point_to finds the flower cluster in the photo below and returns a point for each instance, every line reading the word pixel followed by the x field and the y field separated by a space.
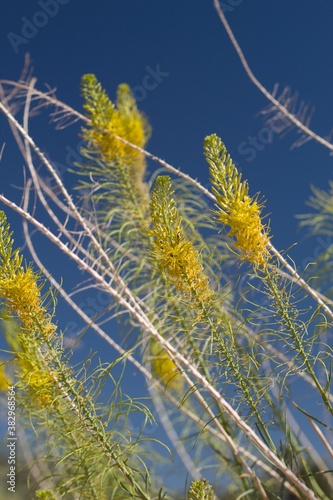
pixel 245 224
pixel 21 295
pixel 235 208
pixel 174 254
pixel 164 368
pixel 107 120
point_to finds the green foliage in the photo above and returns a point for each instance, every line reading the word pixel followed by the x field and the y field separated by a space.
pixel 318 224
pixel 9 259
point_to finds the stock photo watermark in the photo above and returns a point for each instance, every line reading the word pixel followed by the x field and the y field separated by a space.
pixel 257 143
pixel 11 440
pixel 30 27
pixel 152 79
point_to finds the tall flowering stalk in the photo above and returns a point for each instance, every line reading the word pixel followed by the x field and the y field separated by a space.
pixel 235 208
pixel 180 263
pixel 243 215
pixel 172 251
pixel 58 399
pixel 108 121
pixel 20 293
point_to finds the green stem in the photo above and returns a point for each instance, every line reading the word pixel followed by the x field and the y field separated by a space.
pixel 283 310
pixel 92 426
pixel 245 384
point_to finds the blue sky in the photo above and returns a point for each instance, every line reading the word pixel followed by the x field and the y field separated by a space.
pixel 189 82
pixel 200 85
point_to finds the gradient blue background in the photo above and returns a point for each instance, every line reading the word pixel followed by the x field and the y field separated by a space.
pixel 205 90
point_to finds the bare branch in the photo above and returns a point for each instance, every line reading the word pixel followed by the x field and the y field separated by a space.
pixel 275 102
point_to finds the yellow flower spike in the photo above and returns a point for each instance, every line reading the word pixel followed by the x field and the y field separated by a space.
pixel 5 380
pixel 174 254
pixel 19 287
pixel 236 208
pixel 41 385
pixel 36 380
pixel 122 119
pixel 115 159
pixel 21 295
pixel 164 369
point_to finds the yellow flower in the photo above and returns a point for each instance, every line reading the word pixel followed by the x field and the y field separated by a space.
pixel 245 224
pixel 235 208
pixel 39 382
pixel 174 254
pixel 164 369
pixel 22 295
pixel 5 381
pixel 122 119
